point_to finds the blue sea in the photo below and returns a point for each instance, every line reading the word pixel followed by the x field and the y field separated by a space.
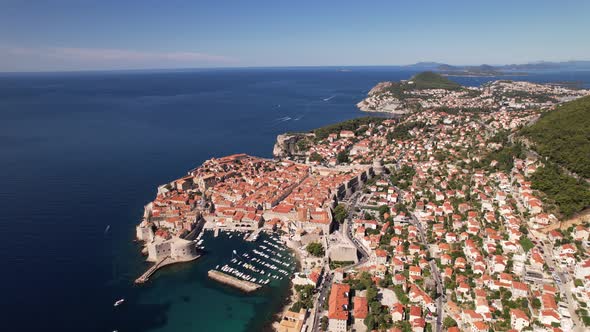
pixel 80 151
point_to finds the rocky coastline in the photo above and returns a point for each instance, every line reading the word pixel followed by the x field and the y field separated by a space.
pixel 380 99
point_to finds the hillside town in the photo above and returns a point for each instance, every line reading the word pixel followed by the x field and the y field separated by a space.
pixel 428 222
pixel 403 97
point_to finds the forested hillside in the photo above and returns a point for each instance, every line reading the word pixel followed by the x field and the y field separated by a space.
pixel 563 135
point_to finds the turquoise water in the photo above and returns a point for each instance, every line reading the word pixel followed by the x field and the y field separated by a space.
pixel 187 300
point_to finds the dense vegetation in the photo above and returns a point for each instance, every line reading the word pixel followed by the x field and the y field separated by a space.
pixel 378 316
pixel 305 298
pixel 324 323
pixel 315 249
pixel 430 80
pixel 424 80
pixel 449 322
pixel 402 178
pixel 340 213
pixel 522 95
pixel 353 125
pixel 338 264
pixel 402 131
pixel 564 136
pixel 565 192
pixel 342 157
pixel 505 155
pixel 526 244
pixel 316 157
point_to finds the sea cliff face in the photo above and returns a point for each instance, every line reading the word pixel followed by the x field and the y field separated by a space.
pixel 288 146
pixel 380 99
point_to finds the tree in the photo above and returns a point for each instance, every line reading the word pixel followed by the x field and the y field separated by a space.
pixel 449 322
pixel 340 213
pixel 536 303
pixel 383 209
pixel 352 125
pixel 342 157
pixel 566 192
pixel 316 249
pixel 371 294
pixel 316 157
pixel 370 322
pixel 526 244
pixel 296 306
pixel 324 323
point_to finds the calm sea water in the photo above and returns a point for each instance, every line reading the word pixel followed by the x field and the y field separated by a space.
pixel 86 150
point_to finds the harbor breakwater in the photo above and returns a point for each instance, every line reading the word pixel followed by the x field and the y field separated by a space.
pixel 243 285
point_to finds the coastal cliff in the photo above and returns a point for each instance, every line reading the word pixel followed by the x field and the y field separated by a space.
pixel 381 99
pixel 292 145
pixel 407 95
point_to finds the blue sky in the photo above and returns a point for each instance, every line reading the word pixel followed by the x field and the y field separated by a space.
pixel 79 35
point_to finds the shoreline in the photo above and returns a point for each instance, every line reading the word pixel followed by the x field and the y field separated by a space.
pixel 289 300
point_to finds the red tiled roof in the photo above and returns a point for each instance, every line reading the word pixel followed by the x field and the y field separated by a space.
pixel 338 302
pixel 361 308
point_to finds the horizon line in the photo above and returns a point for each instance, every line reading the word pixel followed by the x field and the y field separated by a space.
pixel 169 69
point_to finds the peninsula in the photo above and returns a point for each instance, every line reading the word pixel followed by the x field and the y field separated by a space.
pixel 428 90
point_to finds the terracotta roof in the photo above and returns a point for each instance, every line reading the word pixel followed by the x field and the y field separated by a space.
pixel 338 302
pixel 361 307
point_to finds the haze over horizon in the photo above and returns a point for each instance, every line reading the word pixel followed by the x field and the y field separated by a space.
pixel 109 35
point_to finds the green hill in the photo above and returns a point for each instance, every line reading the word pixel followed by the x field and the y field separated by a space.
pixel 431 80
pixel 420 81
pixel 563 136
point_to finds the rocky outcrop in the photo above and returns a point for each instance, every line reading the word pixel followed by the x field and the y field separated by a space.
pixel 289 146
pixel 380 99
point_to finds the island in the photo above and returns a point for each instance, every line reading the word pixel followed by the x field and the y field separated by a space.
pixel 469 212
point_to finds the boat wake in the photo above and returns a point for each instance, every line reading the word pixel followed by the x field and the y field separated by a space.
pixel 329 98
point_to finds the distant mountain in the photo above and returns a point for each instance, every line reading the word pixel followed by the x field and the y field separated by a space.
pixel 488 70
pixel 425 66
pixel 544 65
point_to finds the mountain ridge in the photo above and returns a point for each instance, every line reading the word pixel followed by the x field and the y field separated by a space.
pixel 492 70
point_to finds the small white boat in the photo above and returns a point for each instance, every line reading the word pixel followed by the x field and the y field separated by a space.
pixel 118 302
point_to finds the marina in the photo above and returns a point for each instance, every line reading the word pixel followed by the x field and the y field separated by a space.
pixel 258 266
